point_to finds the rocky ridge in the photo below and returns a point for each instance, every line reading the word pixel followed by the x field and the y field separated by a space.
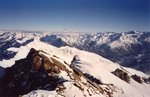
pixel 39 71
pixel 130 49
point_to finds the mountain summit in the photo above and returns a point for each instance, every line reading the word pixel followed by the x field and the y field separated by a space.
pixel 38 69
pixel 130 49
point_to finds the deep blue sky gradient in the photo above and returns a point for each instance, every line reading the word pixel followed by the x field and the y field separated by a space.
pixel 78 15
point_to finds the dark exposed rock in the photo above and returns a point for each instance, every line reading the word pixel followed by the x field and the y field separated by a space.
pixel 137 78
pixel 38 71
pixel 76 58
pixel 122 75
pixel 29 74
pixel 2 73
pixel 92 78
pixel 146 80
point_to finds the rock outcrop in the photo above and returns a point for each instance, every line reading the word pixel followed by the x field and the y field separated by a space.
pixel 137 78
pixel 29 74
pixel 122 75
pixel 40 71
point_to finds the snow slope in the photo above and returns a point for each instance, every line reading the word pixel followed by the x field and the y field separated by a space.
pixel 130 49
pixel 90 63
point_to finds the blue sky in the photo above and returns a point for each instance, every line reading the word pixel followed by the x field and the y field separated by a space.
pixel 77 15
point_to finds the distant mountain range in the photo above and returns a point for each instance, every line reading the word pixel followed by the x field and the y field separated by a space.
pixel 130 49
pixel 38 69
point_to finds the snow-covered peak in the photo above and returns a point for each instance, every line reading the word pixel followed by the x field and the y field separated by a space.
pixel 91 66
pixel 129 49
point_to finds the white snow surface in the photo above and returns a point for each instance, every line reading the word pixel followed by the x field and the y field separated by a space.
pixel 91 63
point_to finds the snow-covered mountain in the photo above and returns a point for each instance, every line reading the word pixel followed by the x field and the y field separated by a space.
pixel 49 71
pixel 131 49
pixel 13 39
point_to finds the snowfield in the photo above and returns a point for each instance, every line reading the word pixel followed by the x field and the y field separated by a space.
pixel 130 49
pixel 89 63
pixel 62 47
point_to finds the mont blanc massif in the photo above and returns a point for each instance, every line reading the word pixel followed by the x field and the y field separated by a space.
pixel 69 64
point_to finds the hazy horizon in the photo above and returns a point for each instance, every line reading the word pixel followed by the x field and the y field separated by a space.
pixel 75 15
